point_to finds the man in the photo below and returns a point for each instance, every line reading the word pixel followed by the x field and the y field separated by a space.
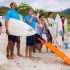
pixel 50 21
pixel 0 28
pixel 31 20
pixel 11 38
pixel 62 19
pixel 39 29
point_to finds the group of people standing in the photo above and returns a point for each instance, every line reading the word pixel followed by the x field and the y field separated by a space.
pixel 32 42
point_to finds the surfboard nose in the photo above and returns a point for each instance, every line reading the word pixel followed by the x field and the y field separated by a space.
pixel 67 60
pixel 56 51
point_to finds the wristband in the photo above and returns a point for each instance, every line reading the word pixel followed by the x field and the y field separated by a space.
pixel 6 30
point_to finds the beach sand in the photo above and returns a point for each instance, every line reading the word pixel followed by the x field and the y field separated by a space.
pixel 43 61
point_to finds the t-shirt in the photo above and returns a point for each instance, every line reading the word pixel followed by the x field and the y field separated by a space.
pixel 33 23
pixel 51 21
pixel 39 28
pixel 12 14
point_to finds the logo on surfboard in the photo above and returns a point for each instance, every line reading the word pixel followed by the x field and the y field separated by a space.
pixel 60 32
pixel 55 22
pixel 30 29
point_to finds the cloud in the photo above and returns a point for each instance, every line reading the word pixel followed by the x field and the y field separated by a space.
pixel 49 5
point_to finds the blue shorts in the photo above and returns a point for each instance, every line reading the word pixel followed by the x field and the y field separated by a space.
pixel 49 37
pixel 30 40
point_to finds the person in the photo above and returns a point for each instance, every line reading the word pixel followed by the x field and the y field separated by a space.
pixel 39 29
pixel 50 21
pixel 31 20
pixel 0 28
pixel 12 40
pixel 62 19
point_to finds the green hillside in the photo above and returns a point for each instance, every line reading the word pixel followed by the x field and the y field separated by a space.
pixel 23 9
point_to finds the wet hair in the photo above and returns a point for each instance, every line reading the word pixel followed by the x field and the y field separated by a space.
pixel 41 15
pixel 49 13
pixel 11 4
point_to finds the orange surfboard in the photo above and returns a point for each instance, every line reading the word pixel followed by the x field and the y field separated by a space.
pixel 56 51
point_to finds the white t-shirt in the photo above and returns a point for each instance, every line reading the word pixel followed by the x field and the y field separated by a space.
pixel 39 28
pixel 51 21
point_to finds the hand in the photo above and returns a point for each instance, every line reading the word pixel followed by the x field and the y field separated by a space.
pixel 34 16
pixel 7 32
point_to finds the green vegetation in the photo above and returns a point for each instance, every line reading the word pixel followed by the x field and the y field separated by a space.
pixel 69 26
pixel 23 10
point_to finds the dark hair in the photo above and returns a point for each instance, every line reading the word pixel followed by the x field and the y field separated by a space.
pixel 49 13
pixel 11 4
pixel 41 15
pixel 62 16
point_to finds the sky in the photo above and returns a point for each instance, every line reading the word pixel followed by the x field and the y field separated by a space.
pixel 48 5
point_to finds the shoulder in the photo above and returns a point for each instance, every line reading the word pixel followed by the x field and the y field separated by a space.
pixel 9 12
pixel 27 16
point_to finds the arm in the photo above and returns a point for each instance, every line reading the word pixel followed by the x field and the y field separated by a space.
pixel 38 21
pixel 6 21
pixel 34 16
pixel 30 20
pixel 6 24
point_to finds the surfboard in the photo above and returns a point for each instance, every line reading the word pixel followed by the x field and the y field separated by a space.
pixel 53 33
pixel 56 51
pixel 2 19
pixel 3 59
pixel 19 28
pixel 65 31
pixel 54 37
pixel 21 17
pixel 66 26
pixel 59 29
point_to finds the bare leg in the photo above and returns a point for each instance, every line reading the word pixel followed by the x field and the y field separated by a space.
pixel 27 48
pixel 41 45
pixel 8 49
pixel 30 52
pixel 12 50
pixel 0 29
pixel 51 43
pixel 18 49
pixel 47 50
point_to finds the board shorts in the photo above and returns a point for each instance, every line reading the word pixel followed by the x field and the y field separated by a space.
pixel 49 37
pixel 30 40
pixel 36 38
pixel 13 38
pixel 0 24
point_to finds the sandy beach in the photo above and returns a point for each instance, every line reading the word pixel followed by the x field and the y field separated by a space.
pixel 43 61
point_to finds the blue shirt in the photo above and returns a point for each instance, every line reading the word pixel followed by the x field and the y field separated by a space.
pixel 12 14
pixel 33 23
